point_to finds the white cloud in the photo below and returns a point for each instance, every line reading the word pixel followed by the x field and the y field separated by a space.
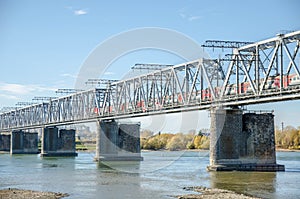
pixel 80 12
pixel 193 18
pixel 189 18
pixel 20 89
pixel 10 93
pixel 15 88
pixel 77 12
pixel 10 97
pixel 109 73
pixel 68 75
pixel 184 14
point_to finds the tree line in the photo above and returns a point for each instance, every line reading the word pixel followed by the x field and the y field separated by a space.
pixel 174 142
pixel 286 138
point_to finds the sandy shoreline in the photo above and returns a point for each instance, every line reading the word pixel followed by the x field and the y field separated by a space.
pixel 207 150
pixel 208 193
pixel 21 194
pixel 287 150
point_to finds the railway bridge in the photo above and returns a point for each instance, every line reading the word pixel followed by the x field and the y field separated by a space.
pixel 252 73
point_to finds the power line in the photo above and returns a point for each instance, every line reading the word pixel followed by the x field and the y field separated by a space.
pixel 100 82
pixel 150 66
pixel 42 99
pixel 7 109
pixel 67 91
pixel 224 44
pixel 25 103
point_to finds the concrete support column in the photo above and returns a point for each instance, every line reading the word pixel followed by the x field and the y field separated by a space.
pixel 58 142
pixel 108 139
pixel 67 142
pixel 16 142
pixel 23 142
pixel 49 141
pixel 258 138
pixel 225 129
pixel 117 141
pixel 129 138
pixel 30 143
pixel 5 142
pixel 98 142
pixel 242 141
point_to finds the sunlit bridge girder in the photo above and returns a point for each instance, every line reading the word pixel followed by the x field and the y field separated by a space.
pixel 261 72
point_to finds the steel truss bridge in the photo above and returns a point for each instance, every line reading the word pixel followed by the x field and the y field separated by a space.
pixel 265 71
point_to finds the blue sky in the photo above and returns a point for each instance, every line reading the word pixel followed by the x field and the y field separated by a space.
pixel 44 43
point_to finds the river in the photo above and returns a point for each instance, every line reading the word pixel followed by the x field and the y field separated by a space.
pixel 161 175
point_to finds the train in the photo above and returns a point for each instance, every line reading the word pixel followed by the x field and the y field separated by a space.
pixel 272 83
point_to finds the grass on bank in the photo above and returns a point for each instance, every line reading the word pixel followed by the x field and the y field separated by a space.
pixel 85 146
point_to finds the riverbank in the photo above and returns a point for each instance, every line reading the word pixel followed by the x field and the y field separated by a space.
pixel 287 150
pixel 21 194
pixel 208 193
pixel 207 150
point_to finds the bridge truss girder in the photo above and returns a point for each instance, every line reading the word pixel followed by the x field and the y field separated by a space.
pixel 167 88
pixel 75 107
pixel 260 64
pixel 250 76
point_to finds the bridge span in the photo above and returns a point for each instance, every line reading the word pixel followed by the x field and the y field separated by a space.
pixel 261 72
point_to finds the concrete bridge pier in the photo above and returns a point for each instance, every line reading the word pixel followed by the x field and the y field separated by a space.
pixel 118 141
pixel 242 141
pixel 5 142
pixel 23 142
pixel 57 142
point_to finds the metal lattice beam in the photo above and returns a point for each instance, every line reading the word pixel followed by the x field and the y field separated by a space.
pixel 261 72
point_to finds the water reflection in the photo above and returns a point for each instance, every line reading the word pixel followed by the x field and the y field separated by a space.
pixel 119 166
pixel 58 162
pixel 119 179
pixel 160 175
pixel 260 184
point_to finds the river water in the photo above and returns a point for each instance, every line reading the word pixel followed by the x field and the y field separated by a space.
pixel 161 175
